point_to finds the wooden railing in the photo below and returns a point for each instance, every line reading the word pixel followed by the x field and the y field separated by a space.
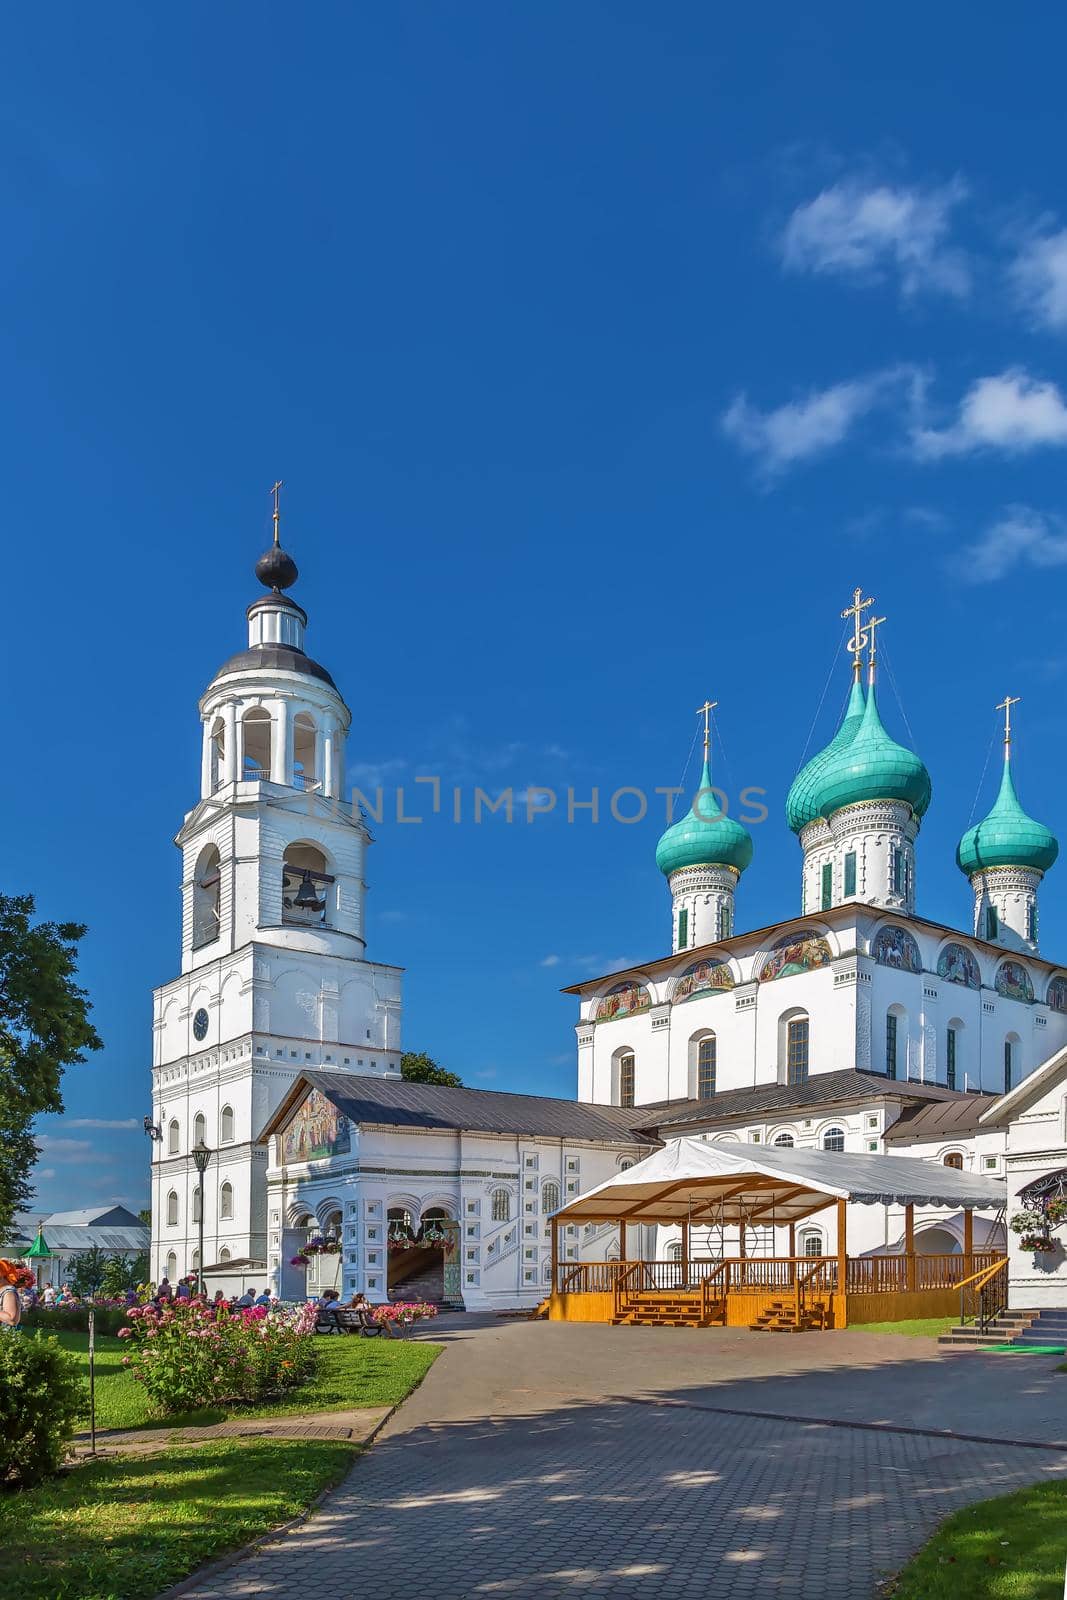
pixel 897 1274
pixel 591 1277
pixel 783 1274
pixel 985 1294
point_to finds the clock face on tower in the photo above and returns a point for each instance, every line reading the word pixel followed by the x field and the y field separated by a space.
pixel 200 1024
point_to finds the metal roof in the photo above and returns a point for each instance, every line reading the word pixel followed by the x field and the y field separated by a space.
pixel 691 1180
pixel 64 1239
pixel 939 1119
pixel 396 1103
pixel 822 1089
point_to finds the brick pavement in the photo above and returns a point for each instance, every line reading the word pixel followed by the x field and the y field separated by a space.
pixel 554 1488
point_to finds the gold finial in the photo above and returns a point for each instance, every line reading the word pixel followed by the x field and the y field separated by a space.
pixel 873 624
pixel 1005 705
pixel 276 490
pixel 858 641
pixel 705 711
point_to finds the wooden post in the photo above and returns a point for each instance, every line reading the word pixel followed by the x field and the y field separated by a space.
pixel 841 1320
pixel 792 1252
pixel 554 1236
pixel 909 1246
pixel 622 1241
pixel 685 1252
pixel 968 1243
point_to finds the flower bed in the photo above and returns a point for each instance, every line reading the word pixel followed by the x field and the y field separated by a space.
pixel 189 1354
pixel 404 1311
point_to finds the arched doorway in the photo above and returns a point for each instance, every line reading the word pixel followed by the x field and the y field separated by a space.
pixel 420 1254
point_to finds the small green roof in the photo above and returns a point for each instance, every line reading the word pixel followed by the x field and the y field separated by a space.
pixel 1007 837
pixel 705 836
pixel 800 805
pixel 871 766
pixel 39 1247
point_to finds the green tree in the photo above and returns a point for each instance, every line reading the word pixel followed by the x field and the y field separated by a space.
pixel 418 1067
pixel 87 1270
pixel 44 1028
pixel 122 1273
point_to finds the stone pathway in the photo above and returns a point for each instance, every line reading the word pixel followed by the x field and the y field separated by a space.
pixel 359 1426
pixel 522 1467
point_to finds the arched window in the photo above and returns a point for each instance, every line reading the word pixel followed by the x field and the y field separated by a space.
pixel 546 1271
pixel 624 1166
pixel 226 1125
pixel 195 1262
pixel 811 1244
pixel 833 1139
pixel 172 1209
pixel 255 740
pixel 627 1079
pixel 784 1141
pixel 436 1214
pixel 226 1202
pixel 501 1205
pixel 218 752
pixel 305 885
pixel 303 751
pixel 954 1159
pixel 173 1137
pixel 674 1251
pixel 953 1037
pixel 797 1046
pixel 1011 1061
pixel 199 1128
pixel 550 1197
pixel 172 1265
pixel 207 884
pixel 224 1254
pixel 706 1056
pixel 401 1223
pixel 196 1204
pixel 896 1041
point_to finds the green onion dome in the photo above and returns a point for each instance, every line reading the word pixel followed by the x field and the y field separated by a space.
pixel 1007 837
pixel 872 766
pixel 705 836
pixel 800 806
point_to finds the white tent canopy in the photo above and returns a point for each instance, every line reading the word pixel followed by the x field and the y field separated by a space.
pixel 690 1180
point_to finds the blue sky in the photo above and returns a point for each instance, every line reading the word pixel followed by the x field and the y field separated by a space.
pixel 602 352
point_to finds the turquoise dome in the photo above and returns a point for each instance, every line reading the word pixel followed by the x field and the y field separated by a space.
pixel 872 766
pixel 704 837
pixel 1007 837
pixel 800 806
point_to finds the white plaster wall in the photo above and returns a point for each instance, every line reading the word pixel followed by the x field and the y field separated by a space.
pixel 1036 1145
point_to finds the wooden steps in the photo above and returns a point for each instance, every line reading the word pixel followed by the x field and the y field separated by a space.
pixel 677 1308
pixel 781 1317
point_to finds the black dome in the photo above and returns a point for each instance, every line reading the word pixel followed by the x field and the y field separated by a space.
pixel 275 655
pixel 276 569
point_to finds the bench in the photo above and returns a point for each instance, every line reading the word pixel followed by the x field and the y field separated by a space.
pixel 347 1320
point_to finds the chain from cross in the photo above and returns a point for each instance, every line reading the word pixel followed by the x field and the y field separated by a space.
pixel 705 711
pixel 859 639
pixel 1005 705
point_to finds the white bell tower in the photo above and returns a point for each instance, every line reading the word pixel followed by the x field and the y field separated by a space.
pixel 274 977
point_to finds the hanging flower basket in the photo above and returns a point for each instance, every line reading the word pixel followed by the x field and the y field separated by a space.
pixel 1056 1211
pixel 1027 1222
pixel 397 1244
pixel 300 1260
pixel 1039 1243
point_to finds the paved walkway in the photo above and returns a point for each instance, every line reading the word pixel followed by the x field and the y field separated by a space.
pixel 359 1426
pixel 552 1460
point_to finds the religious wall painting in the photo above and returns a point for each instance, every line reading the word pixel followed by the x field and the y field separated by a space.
pixel 956 964
pixel 625 1000
pixel 894 947
pixel 702 976
pixel 1013 981
pixel 318 1130
pixel 797 952
pixel 1057 994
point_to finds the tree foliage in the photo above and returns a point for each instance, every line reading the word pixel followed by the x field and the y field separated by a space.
pixel 418 1067
pixel 44 1028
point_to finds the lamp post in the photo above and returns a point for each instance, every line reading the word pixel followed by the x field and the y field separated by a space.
pixel 201 1156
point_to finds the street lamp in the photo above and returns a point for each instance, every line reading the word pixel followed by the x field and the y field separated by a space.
pixel 201 1157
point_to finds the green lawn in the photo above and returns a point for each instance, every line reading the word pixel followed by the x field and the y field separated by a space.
pixel 1013 1548
pixel 133 1525
pixel 350 1372
pixel 917 1328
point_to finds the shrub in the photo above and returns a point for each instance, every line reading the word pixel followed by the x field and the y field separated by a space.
pixel 41 1397
pixel 110 1317
pixel 189 1354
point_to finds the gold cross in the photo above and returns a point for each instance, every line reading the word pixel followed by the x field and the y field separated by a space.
pixel 1005 705
pixel 859 638
pixel 873 623
pixel 276 490
pixel 705 711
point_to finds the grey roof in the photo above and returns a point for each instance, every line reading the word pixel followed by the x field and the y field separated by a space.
pixel 63 1238
pixel 822 1089
pixel 281 657
pixel 396 1103
pixel 940 1119
pixel 88 1216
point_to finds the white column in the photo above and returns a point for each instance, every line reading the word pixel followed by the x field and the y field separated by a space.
pixel 229 723
pixel 319 743
pixel 280 771
pixel 205 762
pixel 329 740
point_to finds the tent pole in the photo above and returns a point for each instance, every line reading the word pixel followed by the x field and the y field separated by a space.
pixel 909 1245
pixel 968 1242
pixel 554 1236
pixel 842 1261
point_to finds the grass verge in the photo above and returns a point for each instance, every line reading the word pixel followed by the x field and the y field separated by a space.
pixel 133 1525
pixel 349 1373
pixel 917 1328
pixel 1013 1548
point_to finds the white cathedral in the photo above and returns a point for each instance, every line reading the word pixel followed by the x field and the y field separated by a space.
pixel 857 1025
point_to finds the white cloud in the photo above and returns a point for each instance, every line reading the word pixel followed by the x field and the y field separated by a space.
pixel 550 961
pixel 865 231
pixel 1012 412
pixel 69 1149
pixel 812 426
pixel 100 1122
pixel 1021 537
pixel 1039 278
pixel 41 1173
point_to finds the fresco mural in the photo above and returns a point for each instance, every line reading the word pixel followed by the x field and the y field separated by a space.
pixel 956 964
pixel 1013 981
pixel 1057 994
pixel 797 952
pixel 895 947
pixel 623 1001
pixel 700 977
pixel 317 1130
